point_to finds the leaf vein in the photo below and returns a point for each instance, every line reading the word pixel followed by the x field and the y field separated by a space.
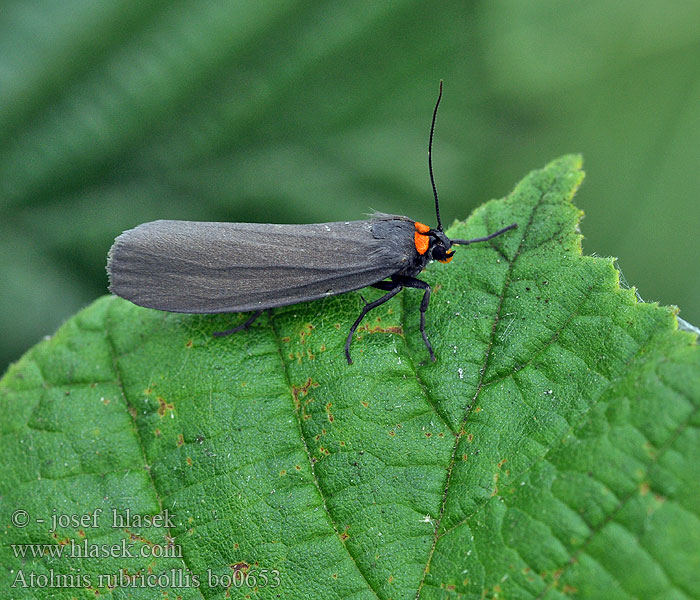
pixel 460 434
pixel 431 403
pixel 311 462
pixel 627 498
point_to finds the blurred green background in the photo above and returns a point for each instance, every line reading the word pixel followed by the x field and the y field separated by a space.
pixel 114 113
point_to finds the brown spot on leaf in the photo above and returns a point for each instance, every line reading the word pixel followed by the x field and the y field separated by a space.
pixel 138 538
pixel 180 440
pixel 164 406
pixel 60 542
pixel 300 391
pixel 239 569
pixel 378 329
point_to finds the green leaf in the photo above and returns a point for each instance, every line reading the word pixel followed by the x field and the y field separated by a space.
pixel 552 449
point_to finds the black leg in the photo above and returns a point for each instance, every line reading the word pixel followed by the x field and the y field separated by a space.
pixel 248 323
pixel 380 285
pixel 394 288
pixel 417 283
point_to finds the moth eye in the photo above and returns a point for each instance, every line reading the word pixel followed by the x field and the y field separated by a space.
pixel 439 253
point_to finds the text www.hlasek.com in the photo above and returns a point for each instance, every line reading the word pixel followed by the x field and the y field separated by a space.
pixel 84 549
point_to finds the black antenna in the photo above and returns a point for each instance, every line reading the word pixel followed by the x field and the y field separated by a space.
pixel 430 160
pixel 486 238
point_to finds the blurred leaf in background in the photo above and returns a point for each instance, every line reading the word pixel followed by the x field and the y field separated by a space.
pixel 115 113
